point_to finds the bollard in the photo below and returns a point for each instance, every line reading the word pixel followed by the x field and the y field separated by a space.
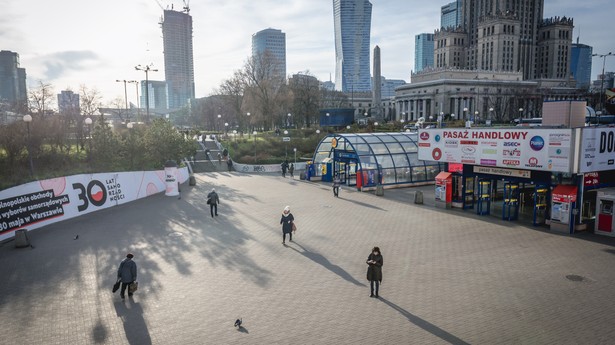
pixel 21 238
pixel 379 190
pixel 302 176
pixel 418 197
pixel 192 180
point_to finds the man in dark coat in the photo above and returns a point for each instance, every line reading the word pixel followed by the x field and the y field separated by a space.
pixel 284 168
pixel 374 270
pixel 213 201
pixel 127 273
pixel 229 162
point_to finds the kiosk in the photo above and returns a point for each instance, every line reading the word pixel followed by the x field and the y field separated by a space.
pixel 605 222
pixel 564 198
pixel 444 189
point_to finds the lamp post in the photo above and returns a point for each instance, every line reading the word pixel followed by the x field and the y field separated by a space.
pixel 249 124
pixel 138 101
pixel 440 119
pixel 475 116
pixel 490 116
pixel 603 56
pixel 520 115
pixel 27 119
pixel 130 125
pixel 88 122
pixel 286 145
pixel 295 150
pixel 465 111
pixel 125 91
pixel 226 130
pixel 288 120
pixel 146 69
pixel 219 119
pixel 254 133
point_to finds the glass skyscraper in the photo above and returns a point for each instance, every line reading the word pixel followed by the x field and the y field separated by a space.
pixel 352 24
pixel 423 51
pixel 273 41
pixel 12 79
pixel 451 14
pixel 581 64
pixel 178 57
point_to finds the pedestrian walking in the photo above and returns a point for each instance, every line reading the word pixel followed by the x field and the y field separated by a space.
pixel 219 159
pixel 213 201
pixel 374 270
pixel 229 163
pixel 127 274
pixel 284 168
pixel 336 185
pixel 288 224
pixel 291 170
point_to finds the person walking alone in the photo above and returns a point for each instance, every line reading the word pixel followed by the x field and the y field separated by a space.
pixel 291 170
pixel 336 185
pixel 374 270
pixel 127 274
pixel 213 201
pixel 287 224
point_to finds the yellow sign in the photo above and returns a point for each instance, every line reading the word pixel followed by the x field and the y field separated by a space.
pixel 334 143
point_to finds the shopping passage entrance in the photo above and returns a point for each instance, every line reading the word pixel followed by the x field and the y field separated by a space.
pixel 520 195
pixel 345 164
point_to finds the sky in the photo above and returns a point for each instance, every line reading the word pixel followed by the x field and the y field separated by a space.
pixel 69 43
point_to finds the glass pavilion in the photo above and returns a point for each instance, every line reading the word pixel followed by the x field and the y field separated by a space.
pixel 366 159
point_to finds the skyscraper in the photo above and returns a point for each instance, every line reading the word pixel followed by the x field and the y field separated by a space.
pixel 274 42
pixel 450 14
pixel 352 23
pixel 12 79
pixel 423 51
pixel 68 103
pixel 581 64
pixel 178 58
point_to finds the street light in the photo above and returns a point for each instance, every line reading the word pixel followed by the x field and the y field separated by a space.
pixel 475 116
pixel 288 121
pixel 465 111
pixel 286 145
pixel 520 115
pixel 219 117
pixel 603 56
pixel 27 119
pixel 130 125
pixel 295 150
pixel 348 127
pixel 249 124
pixel 88 122
pixel 440 118
pixel 146 69
pixel 138 101
pixel 226 129
pixel 125 91
pixel 254 133
pixel 490 115
pixel 318 131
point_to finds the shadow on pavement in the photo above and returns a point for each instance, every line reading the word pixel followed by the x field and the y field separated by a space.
pixel 426 325
pixel 324 262
pixel 135 327
pixel 362 204
pixel 99 332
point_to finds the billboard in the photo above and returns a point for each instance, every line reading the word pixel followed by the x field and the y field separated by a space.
pixel 597 149
pixel 36 204
pixel 517 148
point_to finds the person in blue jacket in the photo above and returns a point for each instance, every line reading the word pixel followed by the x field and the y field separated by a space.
pixel 127 273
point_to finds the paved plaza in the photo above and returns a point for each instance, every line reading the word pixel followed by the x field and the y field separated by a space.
pixel 449 277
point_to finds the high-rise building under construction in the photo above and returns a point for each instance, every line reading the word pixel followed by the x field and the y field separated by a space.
pixel 178 57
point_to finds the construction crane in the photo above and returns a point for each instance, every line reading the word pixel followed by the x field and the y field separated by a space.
pixel 187 6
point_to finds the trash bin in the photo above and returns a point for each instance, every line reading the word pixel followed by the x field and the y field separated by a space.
pixel 21 238
pixel 379 190
pixel 302 176
pixel 418 197
pixel 192 180
pixel 170 173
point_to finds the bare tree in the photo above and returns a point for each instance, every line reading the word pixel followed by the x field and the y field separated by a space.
pixel 41 99
pixel 233 90
pixel 306 95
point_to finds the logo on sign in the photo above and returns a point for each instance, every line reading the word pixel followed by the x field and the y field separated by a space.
pixel 511 162
pixel 424 136
pixel 512 153
pixel 450 143
pixel 437 137
pixel 533 162
pixel 537 143
pixel 436 154
pixel 468 150
pixel 511 144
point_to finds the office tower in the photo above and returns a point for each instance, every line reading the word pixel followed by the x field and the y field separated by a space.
pixel 178 58
pixel 581 64
pixel 272 41
pixel 352 23
pixel 423 51
pixel 157 94
pixel 554 48
pixel 68 103
pixel 450 16
pixel 12 79
pixel 377 84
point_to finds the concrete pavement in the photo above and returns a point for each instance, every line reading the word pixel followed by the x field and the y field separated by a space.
pixel 449 276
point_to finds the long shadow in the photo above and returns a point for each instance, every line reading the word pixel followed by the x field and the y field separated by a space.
pixel 363 204
pixel 324 262
pixel 424 324
pixel 135 327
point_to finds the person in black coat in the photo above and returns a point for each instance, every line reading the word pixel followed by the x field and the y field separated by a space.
pixel 287 224
pixel 127 273
pixel 213 201
pixel 374 270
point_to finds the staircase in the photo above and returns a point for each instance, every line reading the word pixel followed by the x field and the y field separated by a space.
pixel 204 162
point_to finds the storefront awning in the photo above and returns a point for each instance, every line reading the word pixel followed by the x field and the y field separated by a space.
pixel 565 193
pixel 443 175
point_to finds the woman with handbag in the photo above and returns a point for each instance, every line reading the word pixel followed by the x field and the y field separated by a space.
pixel 288 225
pixel 374 270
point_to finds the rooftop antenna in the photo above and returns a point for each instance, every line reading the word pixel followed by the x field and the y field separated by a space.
pixel 187 6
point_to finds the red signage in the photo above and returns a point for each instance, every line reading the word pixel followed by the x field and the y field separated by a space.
pixel 591 179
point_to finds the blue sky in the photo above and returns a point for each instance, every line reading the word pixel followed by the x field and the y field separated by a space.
pixel 72 42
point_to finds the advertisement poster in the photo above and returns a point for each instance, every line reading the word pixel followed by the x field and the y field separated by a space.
pixel 597 149
pixel 526 149
pixel 36 204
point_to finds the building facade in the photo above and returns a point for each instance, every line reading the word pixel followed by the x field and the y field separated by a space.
pixel 157 94
pixel 178 57
pixel 450 14
pixel 12 80
pixel 423 51
pixel 274 42
pixel 581 64
pixel 68 103
pixel 352 26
